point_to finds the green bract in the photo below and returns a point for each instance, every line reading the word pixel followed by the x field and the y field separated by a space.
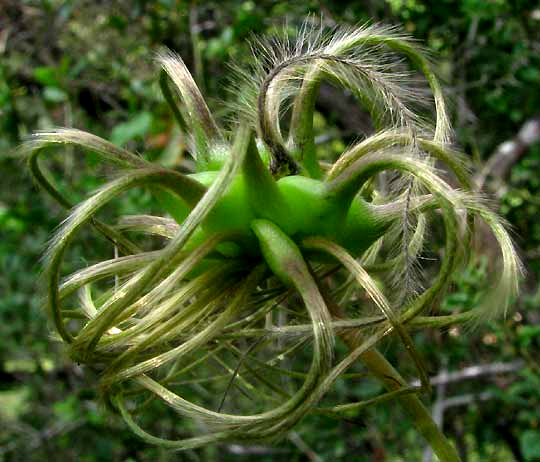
pixel 270 254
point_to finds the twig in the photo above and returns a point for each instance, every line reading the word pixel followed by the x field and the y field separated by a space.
pixel 508 153
pixel 473 372
pixel 444 378
pixel 240 450
pixel 297 440
pixel 463 400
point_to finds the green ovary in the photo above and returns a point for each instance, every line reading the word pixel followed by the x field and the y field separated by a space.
pixel 305 210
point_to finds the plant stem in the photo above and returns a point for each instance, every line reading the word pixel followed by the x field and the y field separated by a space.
pixel 391 379
pixel 411 404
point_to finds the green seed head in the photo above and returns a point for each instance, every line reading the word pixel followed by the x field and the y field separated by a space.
pixel 266 247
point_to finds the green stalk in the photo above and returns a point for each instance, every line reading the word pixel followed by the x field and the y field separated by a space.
pixel 411 404
pixel 377 364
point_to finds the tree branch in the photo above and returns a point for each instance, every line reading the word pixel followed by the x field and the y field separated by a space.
pixel 508 153
pixel 473 372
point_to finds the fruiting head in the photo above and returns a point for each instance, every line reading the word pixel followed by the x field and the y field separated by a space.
pixel 260 220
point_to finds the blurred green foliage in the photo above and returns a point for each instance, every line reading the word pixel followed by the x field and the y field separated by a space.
pixel 89 65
